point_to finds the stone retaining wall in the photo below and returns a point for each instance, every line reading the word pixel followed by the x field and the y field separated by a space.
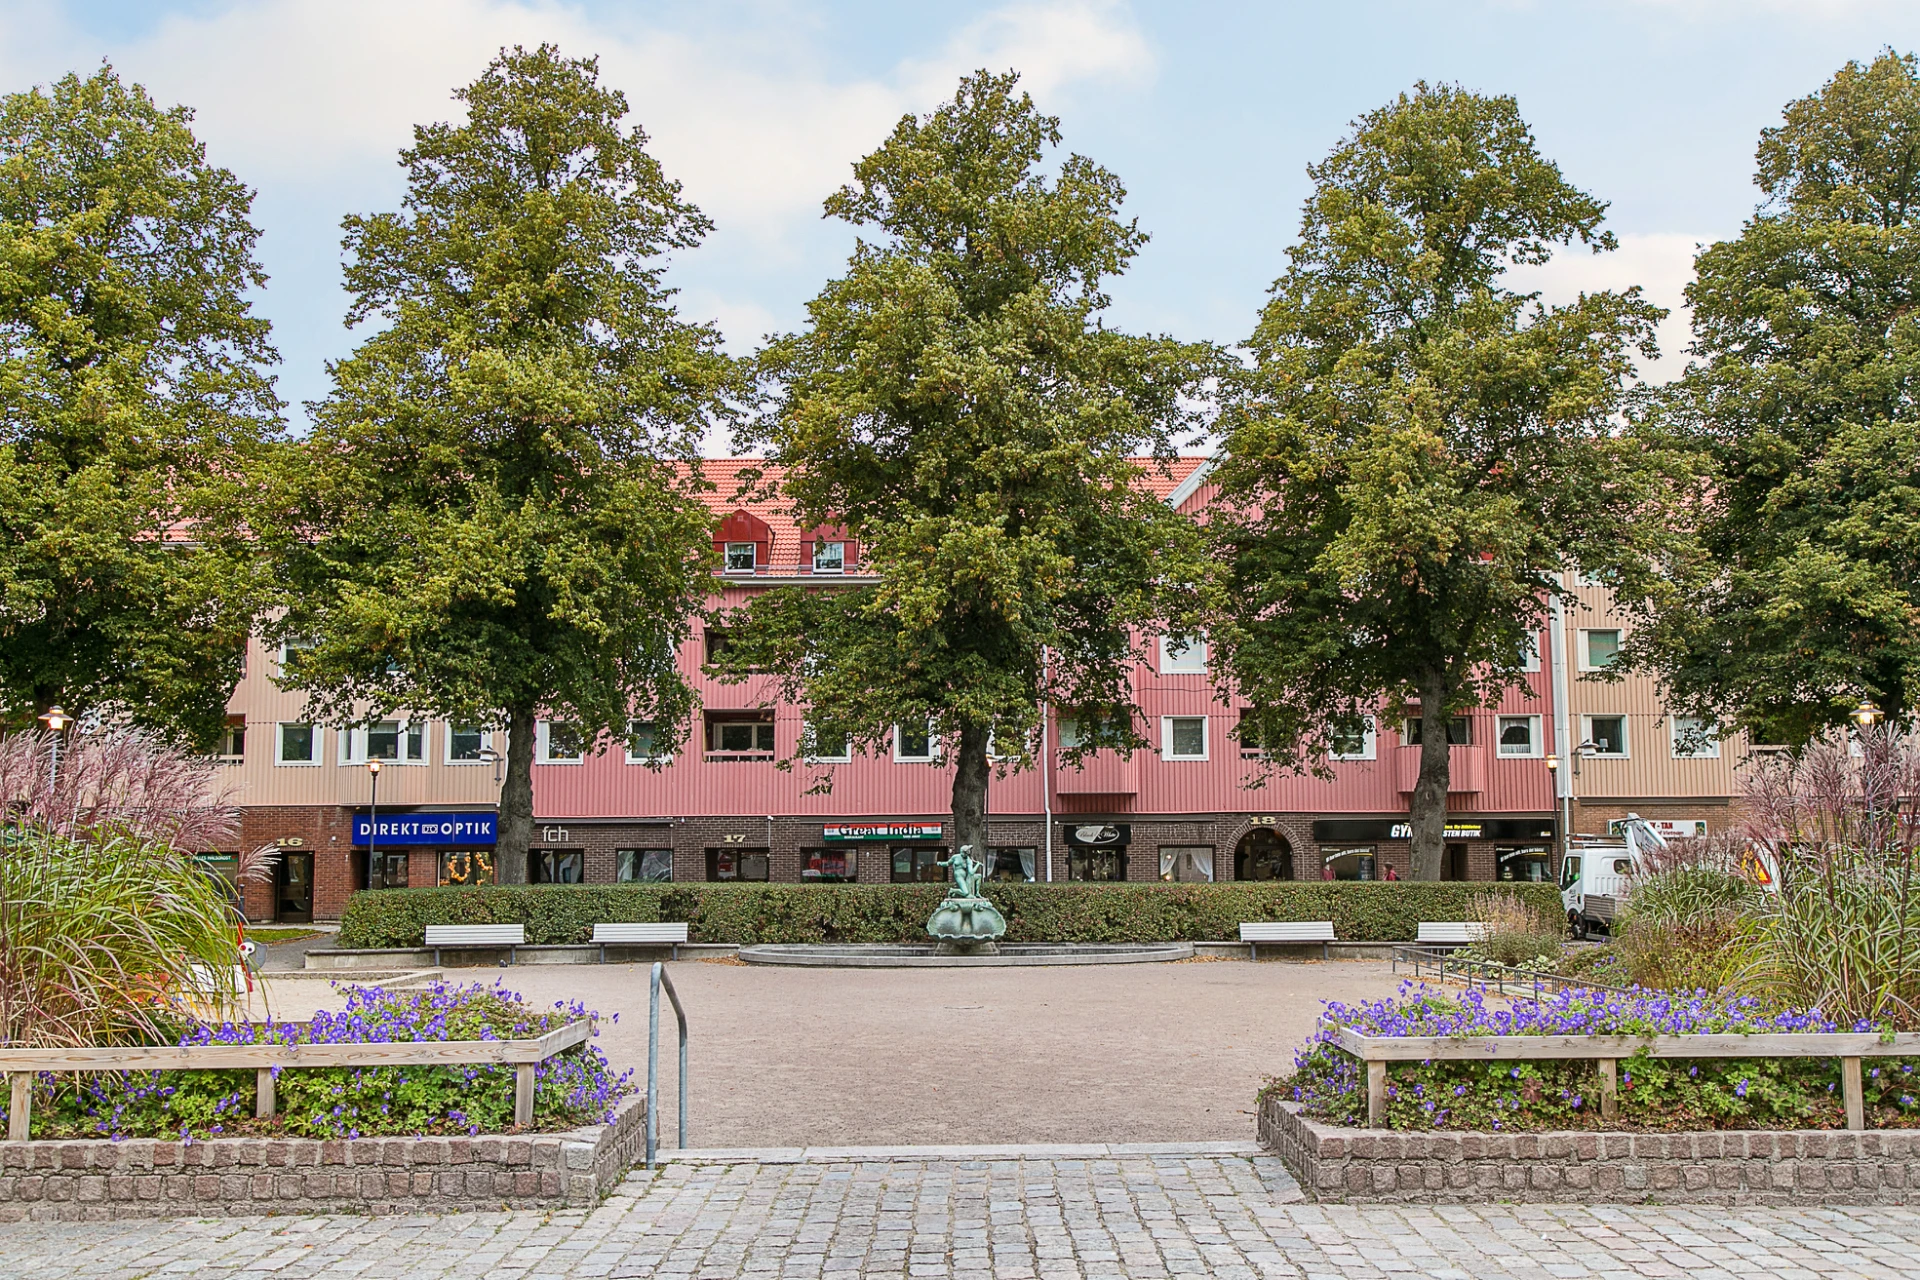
pixel 1717 1167
pixel 152 1178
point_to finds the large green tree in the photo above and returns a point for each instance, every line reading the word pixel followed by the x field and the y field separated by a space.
pixel 134 395
pixel 1804 399
pixel 957 404
pixel 496 517
pixel 1420 451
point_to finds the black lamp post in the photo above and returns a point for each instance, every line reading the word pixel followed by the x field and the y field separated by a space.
pixel 373 822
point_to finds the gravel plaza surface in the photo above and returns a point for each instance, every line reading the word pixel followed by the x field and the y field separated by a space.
pixel 861 1057
pixel 1036 1218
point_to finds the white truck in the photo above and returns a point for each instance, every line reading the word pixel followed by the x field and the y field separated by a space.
pixel 1595 873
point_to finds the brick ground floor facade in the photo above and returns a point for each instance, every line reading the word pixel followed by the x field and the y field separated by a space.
pixel 321 864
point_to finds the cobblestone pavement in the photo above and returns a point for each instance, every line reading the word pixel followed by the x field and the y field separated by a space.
pixel 1015 1219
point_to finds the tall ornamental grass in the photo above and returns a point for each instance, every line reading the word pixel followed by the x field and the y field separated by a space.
pixel 110 931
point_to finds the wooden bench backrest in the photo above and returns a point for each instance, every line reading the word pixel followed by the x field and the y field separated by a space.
pixel 1452 930
pixel 664 932
pixel 1290 931
pixel 476 935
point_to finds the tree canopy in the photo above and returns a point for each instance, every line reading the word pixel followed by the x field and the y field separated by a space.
pixel 958 406
pixel 1803 595
pixel 496 517
pixel 1420 451
pixel 134 397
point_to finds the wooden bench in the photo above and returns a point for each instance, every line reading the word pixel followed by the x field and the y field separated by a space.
pixel 1254 933
pixel 674 934
pixel 510 936
pixel 1452 933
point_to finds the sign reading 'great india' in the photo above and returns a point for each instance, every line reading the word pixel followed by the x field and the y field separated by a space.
pixel 883 831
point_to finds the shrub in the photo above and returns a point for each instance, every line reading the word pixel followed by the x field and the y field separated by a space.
pixel 1686 927
pixel 1664 1093
pixel 1062 913
pixel 571 1089
pixel 1520 930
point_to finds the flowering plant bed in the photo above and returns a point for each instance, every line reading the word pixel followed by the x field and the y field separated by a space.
pixel 1661 1093
pixel 571 1089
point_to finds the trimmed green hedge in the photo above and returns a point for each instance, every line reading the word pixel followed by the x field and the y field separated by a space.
pixel 1361 912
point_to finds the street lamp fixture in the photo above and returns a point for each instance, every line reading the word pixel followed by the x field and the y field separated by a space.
pixel 1866 715
pixel 489 756
pixel 56 719
pixel 1584 751
pixel 1553 765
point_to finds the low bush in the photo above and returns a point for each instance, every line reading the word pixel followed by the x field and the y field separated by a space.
pixel 571 1089
pixel 1521 931
pixel 748 914
pixel 1664 1093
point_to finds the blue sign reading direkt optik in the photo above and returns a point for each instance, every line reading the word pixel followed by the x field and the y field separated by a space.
pixel 427 828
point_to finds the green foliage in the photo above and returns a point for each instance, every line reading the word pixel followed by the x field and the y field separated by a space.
pixel 1521 931
pixel 108 939
pixel 958 405
pixel 1420 452
pixel 1803 594
pixel 495 516
pixel 134 395
pixel 1844 937
pixel 1687 928
pixel 746 914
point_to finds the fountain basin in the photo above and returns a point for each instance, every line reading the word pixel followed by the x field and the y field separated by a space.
pixel 1009 954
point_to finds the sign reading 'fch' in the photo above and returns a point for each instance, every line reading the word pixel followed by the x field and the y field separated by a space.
pixel 883 831
pixel 426 828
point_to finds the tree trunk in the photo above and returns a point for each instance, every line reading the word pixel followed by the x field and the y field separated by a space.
pixel 516 799
pixel 1427 813
pixel 970 794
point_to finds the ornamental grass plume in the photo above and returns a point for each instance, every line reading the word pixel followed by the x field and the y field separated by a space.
pixel 110 931
pixel 1841 824
pixel 1518 932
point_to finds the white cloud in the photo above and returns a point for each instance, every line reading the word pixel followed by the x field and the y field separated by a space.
pixel 1661 264
pixel 326 92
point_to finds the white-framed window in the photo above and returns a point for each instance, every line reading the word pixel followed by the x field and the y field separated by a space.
pixel 290 647
pixel 394 741
pixel 1693 738
pixel 913 744
pixel 829 557
pixel 742 557
pixel 643 744
pixel 824 746
pixel 1517 735
pixel 1599 647
pixel 1459 731
pixel 1183 737
pixel 297 743
pixel 1608 734
pixel 1180 656
pixel 233 739
pixel 465 743
pixel 1530 652
pixel 558 742
pixel 1354 742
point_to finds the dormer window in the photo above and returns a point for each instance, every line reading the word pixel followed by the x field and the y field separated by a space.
pixel 829 557
pixel 741 557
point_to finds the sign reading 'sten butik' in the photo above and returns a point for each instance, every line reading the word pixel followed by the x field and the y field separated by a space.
pixel 428 828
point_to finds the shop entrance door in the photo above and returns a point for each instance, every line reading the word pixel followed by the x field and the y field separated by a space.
pixel 293 889
pixel 1454 865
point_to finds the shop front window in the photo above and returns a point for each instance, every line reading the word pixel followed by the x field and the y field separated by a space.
pixel 466 866
pixel 1096 864
pixel 828 866
pixel 556 866
pixel 645 866
pixel 1014 864
pixel 1533 862
pixel 1186 864
pixel 738 865
pixel 1349 862
pixel 223 869
pixel 917 865
pixel 1263 854
pixel 386 870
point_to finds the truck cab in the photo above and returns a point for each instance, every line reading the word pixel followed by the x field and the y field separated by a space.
pixel 1597 870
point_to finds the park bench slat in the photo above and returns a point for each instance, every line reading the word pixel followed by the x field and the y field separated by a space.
pixel 1253 932
pixel 1452 931
pixel 673 932
pixel 510 936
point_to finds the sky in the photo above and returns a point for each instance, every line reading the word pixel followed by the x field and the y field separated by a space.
pixel 1209 110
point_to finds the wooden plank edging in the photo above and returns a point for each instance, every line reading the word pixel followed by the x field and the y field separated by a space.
pixel 1838 1044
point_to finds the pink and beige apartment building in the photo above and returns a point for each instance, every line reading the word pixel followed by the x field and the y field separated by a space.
pixel 721 808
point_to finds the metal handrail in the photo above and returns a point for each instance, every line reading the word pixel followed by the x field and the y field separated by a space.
pixel 660 978
pixel 1488 973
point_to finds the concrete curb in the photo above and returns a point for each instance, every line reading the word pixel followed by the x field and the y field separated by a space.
pixel 1007 1151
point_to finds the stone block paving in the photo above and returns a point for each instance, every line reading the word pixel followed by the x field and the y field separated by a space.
pixel 1011 1219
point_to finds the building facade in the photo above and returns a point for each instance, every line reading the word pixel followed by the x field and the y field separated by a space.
pixel 736 801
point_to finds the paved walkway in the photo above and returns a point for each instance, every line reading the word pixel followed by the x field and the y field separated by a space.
pixel 1031 1218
